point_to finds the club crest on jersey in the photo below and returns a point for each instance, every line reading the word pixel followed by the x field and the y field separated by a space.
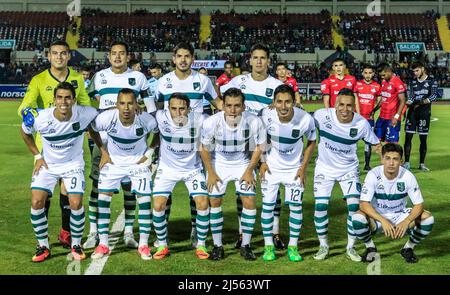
pixel 74 83
pixel 295 133
pixel 353 132
pixel 269 91
pixel 139 131
pixel 196 86
pixel 358 187
pixel 76 126
pixel 401 186
pixel 132 81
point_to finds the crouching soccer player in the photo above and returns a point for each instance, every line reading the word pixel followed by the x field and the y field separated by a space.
pixel 61 128
pixel 180 161
pixel 126 156
pixel 383 206
pixel 284 164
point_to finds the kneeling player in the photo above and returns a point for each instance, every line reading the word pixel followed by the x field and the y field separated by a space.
pixel 231 135
pixel 285 164
pixel 126 156
pixel 180 161
pixel 383 206
pixel 62 128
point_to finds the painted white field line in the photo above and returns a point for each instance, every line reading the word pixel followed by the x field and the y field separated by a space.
pixel 96 266
pixel 434 119
pixel 10 125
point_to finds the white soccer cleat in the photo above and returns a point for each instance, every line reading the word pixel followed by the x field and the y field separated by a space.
pixel 194 237
pixel 424 168
pixel 129 241
pixel 322 253
pixel 156 243
pixel 353 255
pixel 91 241
pixel 407 165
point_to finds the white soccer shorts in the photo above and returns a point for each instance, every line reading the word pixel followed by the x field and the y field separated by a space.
pixel 72 174
pixel 227 174
pixel 323 184
pixel 112 175
pixel 95 163
pixel 395 218
pixel 293 189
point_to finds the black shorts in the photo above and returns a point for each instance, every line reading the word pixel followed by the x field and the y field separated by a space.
pixel 208 110
pixel 418 119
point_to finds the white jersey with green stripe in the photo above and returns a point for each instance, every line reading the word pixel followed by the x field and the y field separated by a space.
pixel 338 142
pixel 126 144
pixel 285 140
pixel 62 141
pixel 179 144
pixel 390 196
pixel 232 146
pixel 107 85
pixel 258 94
pixel 196 87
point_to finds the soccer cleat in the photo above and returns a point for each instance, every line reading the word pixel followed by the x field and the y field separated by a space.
pixel 269 253
pixel 406 165
pixel 201 252
pixel 217 253
pixel 144 252
pixel 409 255
pixel 353 255
pixel 322 253
pixel 91 241
pixel 369 255
pixel 247 253
pixel 78 253
pixel 161 252
pixel 238 243
pixel 129 241
pixel 293 254
pixel 194 237
pixel 424 168
pixel 64 238
pixel 278 242
pixel 367 168
pixel 42 253
pixel 100 251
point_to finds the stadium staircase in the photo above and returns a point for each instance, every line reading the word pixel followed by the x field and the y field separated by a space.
pixel 338 39
pixel 444 32
pixel 71 39
pixel 205 28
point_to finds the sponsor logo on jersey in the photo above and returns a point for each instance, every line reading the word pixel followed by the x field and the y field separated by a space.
pixel 76 126
pixel 132 81
pixel 167 130
pixel 196 86
pixel 169 86
pixel 103 82
pixel 74 83
pixel 51 131
pixel 329 126
pixel 401 186
pixel 269 92
pixel 49 88
pixel 353 132
pixel 139 131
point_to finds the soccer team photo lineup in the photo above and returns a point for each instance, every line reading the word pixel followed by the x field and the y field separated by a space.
pixel 238 162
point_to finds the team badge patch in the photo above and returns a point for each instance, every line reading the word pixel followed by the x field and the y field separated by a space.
pixel 358 187
pixel 269 92
pixel 401 186
pixel 74 83
pixel 353 132
pixel 295 133
pixel 132 81
pixel 76 126
pixel 196 86
pixel 139 131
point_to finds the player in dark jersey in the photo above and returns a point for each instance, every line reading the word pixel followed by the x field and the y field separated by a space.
pixel 422 91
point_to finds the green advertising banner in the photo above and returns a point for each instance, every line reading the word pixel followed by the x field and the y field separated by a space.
pixel 410 46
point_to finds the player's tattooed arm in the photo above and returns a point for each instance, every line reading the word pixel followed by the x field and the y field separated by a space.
pixel 388 227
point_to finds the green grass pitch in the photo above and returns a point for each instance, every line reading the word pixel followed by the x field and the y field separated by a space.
pixel 17 240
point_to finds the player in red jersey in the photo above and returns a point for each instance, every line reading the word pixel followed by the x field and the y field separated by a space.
pixel 226 76
pixel 283 75
pixel 369 93
pixel 387 127
pixel 331 86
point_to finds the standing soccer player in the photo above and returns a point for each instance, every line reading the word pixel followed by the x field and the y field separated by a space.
pixel 368 93
pixel 206 105
pixel 61 128
pixel 258 88
pixel 228 139
pixel 392 103
pixel 340 129
pixel 281 71
pixel 126 156
pixel 179 160
pixel 156 73
pixel 383 206
pixel 226 76
pixel 423 91
pixel 105 87
pixel 331 86
pixel 196 87
pixel 285 164
pixel 40 95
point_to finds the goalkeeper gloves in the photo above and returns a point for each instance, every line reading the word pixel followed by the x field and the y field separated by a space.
pixel 28 115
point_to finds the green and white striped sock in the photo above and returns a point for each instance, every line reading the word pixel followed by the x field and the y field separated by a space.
pixel 353 207
pixel 248 223
pixel 418 233
pixel 144 219
pixel 202 224
pixel 77 220
pixel 321 219
pixel 160 224
pixel 362 230
pixel 130 211
pixel 295 223
pixel 40 226
pixel 267 216
pixel 216 223
pixel 104 216
pixel 93 207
